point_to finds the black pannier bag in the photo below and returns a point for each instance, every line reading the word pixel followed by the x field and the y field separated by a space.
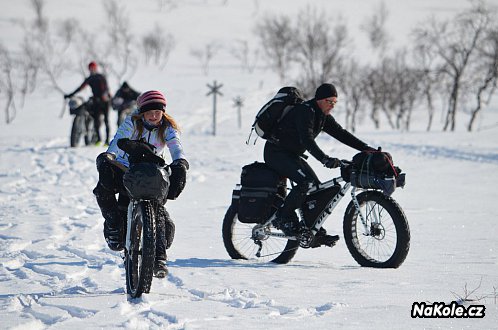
pixel 146 181
pixel 375 170
pixel 262 192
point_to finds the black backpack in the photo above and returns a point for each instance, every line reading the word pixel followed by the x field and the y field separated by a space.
pixel 274 110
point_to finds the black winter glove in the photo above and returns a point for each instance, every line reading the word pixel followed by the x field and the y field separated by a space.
pixel 330 162
pixel 103 158
pixel 181 162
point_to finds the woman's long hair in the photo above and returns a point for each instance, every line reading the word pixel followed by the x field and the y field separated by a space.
pixel 167 121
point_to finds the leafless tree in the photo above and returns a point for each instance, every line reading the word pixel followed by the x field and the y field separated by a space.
pixel 120 59
pixel 318 48
pixel 375 28
pixel 247 58
pixel 454 43
pixel 40 22
pixel 352 83
pixel 486 75
pixel 426 66
pixel 206 54
pixel 276 36
pixel 7 83
pixel 157 45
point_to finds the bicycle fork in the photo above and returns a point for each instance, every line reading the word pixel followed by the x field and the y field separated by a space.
pixel 363 218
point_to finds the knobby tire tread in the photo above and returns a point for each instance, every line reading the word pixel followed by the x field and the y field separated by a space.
pixel 400 223
pixel 227 233
pixel 144 273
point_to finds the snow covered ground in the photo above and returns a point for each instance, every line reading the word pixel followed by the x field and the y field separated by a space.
pixel 56 271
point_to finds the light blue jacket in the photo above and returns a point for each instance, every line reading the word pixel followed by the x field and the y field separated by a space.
pixel 127 130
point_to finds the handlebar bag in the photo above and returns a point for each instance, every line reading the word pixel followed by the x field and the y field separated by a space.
pixel 146 181
pixel 375 170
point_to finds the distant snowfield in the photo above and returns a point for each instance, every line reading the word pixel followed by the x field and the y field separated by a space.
pixel 56 271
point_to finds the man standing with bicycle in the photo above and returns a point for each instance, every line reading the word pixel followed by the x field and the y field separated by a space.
pixel 295 134
pixel 101 99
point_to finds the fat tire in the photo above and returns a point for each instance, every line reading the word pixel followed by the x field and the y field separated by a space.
pixel 77 130
pixel 90 134
pixel 384 206
pixel 139 263
pixel 230 242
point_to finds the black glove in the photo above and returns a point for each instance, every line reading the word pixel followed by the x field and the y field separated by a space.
pixel 330 162
pixel 178 177
pixel 103 158
pixel 68 96
pixel 181 162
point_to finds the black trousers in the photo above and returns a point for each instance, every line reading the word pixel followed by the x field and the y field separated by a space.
pixel 296 169
pixel 115 211
pixel 101 108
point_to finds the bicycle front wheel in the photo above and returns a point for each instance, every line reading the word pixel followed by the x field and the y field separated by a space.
pixel 383 240
pixel 140 254
pixel 77 130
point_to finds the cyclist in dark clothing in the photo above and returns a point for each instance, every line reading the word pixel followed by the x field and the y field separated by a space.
pixel 296 134
pixel 124 101
pixel 101 98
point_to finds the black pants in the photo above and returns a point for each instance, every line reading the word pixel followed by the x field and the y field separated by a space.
pixel 101 108
pixel 296 169
pixel 115 211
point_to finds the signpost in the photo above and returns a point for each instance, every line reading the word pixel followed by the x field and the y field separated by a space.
pixel 239 103
pixel 214 90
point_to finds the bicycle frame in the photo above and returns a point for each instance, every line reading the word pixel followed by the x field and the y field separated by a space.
pixel 322 217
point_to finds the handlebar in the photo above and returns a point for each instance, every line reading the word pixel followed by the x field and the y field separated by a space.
pixel 140 152
pixel 346 163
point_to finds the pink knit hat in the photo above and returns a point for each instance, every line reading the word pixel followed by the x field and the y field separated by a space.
pixel 151 100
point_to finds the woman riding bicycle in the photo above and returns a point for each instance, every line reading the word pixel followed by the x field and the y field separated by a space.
pixel 149 123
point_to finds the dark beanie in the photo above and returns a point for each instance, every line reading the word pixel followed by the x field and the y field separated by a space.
pixel 151 106
pixel 325 91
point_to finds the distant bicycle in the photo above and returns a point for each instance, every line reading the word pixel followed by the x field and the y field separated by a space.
pixel 124 108
pixel 83 126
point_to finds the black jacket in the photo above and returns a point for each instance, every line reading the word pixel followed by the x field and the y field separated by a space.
pixel 126 93
pixel 297 131
pixel 98 83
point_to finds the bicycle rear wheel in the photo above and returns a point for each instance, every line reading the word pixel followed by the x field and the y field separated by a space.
pixel 239 242
pixel 384 241
pixel 140 254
